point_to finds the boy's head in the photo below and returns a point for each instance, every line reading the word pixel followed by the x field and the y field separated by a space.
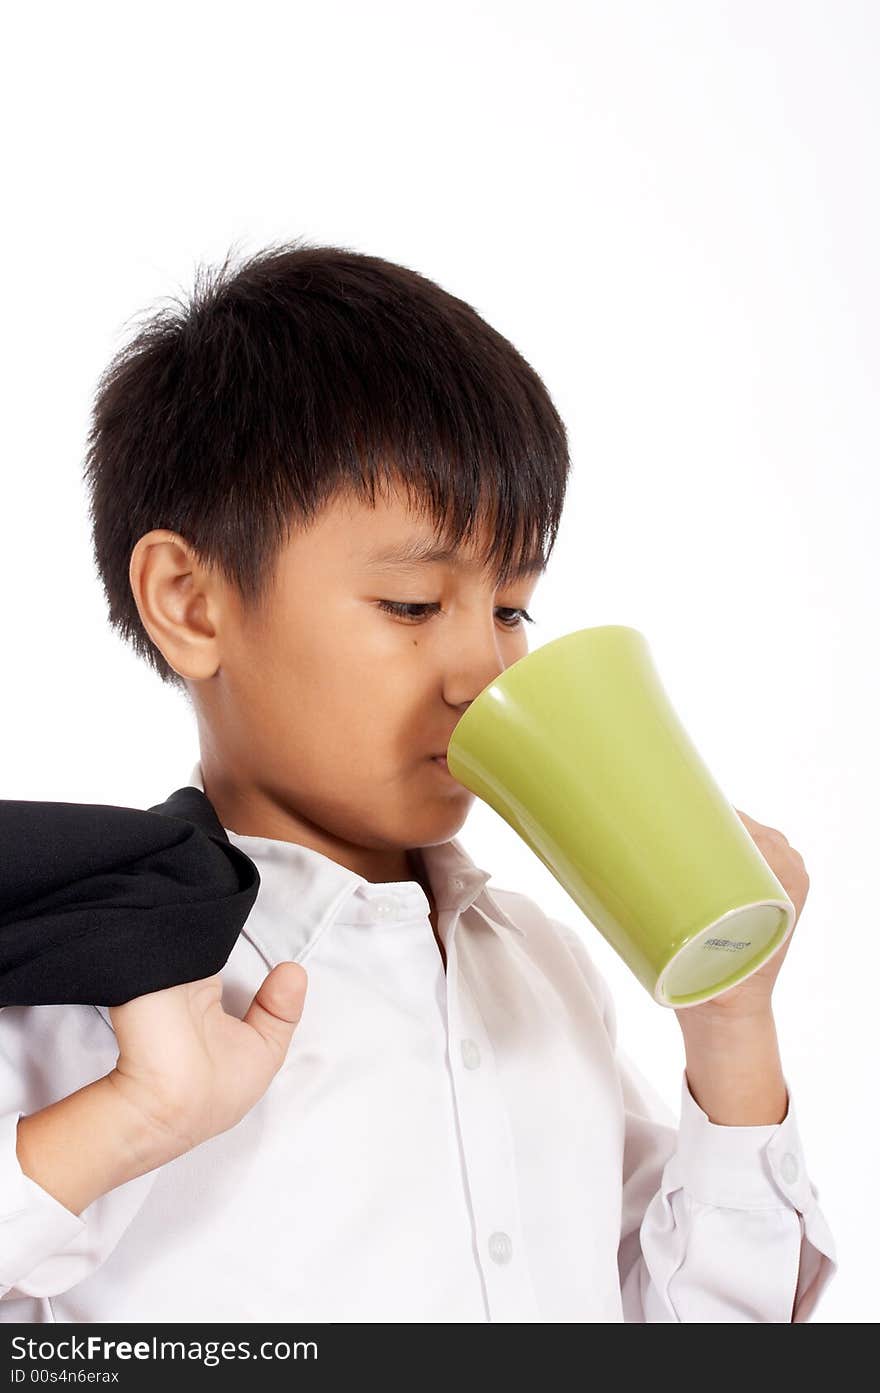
pixel 255 456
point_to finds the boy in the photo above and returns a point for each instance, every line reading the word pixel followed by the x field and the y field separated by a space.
pixel 420 1112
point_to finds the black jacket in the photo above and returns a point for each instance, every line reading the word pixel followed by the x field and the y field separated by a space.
pixel 100 904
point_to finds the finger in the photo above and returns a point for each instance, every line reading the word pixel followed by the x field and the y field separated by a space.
pixel 763 827
pixel 277 1007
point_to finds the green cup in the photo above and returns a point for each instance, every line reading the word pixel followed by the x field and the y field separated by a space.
pixel 577 746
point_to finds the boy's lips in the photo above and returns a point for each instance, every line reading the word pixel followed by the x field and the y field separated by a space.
pixel 441 754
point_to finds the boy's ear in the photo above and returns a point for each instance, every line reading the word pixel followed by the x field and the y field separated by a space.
pixel 176 599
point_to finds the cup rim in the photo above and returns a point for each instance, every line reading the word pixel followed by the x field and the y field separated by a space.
pixel 662 997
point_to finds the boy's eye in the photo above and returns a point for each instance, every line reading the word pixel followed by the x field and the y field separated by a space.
pixel 402 609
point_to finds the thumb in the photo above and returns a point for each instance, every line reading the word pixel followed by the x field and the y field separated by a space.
pixel 277 1007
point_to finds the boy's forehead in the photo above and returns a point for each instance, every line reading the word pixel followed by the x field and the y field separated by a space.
pixel 422 549
pixel 393 536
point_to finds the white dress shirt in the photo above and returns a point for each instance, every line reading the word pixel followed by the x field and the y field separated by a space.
pixel 469 1145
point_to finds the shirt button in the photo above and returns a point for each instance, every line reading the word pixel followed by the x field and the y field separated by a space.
pixel 459 884
pixel 470 1053
pixel 385 907
pixel 500 1247
pixel 789 1167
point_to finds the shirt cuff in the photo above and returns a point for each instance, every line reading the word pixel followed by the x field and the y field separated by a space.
pixel 33 1223
pixel 742 1167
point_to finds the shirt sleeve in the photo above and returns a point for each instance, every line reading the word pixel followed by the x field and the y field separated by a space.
pixel 46 1053
pixel 717 1223
pixel 33 1224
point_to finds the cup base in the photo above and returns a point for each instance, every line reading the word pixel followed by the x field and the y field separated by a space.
pixel 724 953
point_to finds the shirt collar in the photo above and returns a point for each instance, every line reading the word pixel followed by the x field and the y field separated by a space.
pixel 303 886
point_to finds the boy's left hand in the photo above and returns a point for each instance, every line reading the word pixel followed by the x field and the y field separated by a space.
pixel 752 997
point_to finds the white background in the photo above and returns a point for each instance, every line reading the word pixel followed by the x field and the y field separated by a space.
pixel 672 211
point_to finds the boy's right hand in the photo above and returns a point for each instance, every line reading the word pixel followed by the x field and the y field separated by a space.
pixel 188 1068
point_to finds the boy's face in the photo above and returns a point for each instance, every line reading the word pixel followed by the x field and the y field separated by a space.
pixel 319 717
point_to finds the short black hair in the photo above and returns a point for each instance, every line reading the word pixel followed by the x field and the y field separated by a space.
pixel 234 413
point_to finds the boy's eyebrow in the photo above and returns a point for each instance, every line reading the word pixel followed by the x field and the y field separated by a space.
pixel 426 551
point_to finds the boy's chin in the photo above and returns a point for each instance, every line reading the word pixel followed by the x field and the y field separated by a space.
pixel 438 820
